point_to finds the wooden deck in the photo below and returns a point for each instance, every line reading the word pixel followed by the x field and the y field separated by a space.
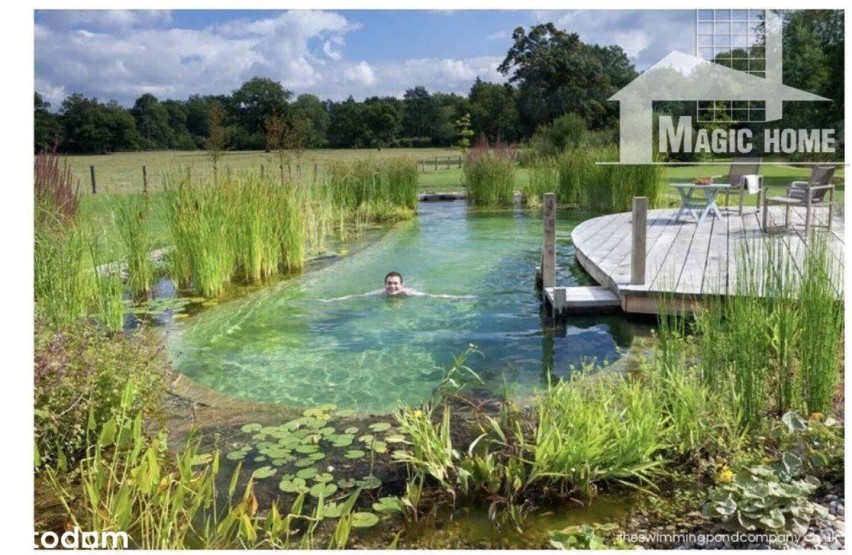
pixel 689 262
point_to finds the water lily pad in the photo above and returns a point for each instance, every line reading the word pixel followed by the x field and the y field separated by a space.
pixel 237 455
pixel 344 413
pixel 380 426
pixel 259 436
pixel 251 428
pixel 323 489
pixel 364 520
pixel 269 430
pixel 279 462
pixel 312 439
pixel 296 485
pixel 328 407
pixel 366 438
pixel 316 456
pixel 327 431
pixel 351 430
pixel 395 438
pixel 287 477
pixel 307 449
pixel 307 473
pixel 368 482
pixel 264 445
pixel 354 454
pixel 323 478
pixel 380 447
pixel 314 412
pixel 332 509
pixel 301 463
pixel 263 472
pixel 260 458
pixel 388 505
pixel 346 483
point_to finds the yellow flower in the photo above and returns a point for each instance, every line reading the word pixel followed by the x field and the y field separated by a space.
pixel 816 417
pixel 726 476
pixel 418 413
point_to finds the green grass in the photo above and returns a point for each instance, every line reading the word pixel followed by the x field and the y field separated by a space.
pixel 122 172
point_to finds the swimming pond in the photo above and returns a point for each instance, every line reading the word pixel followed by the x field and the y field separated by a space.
pixel 291 344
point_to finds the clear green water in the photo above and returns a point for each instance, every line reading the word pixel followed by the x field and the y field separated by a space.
pixel 283 344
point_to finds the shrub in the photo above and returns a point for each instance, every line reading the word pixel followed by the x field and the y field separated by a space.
pixel 80 374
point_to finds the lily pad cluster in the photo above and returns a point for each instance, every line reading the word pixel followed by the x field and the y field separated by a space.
pixel 294 451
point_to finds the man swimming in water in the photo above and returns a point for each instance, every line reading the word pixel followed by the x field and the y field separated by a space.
pixel 394 288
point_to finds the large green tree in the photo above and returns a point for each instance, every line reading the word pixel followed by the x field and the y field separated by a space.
pixel 419 113
pixel 152 122
pixel 493 113
pixel 311 109
pixel 252 102
pixel 557 73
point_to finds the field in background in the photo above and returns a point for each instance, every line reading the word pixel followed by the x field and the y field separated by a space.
pixel 122 172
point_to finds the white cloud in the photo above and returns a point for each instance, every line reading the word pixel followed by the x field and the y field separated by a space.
pixel 360 74
pixel 499 35
pixel 303 50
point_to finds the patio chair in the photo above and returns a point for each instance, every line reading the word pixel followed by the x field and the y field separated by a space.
pixel 741 167
pixel 810 193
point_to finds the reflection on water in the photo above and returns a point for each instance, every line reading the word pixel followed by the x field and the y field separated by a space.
pixel 287 344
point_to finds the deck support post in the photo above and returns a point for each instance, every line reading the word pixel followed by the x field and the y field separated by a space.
pixel 548 253
pixel 640 232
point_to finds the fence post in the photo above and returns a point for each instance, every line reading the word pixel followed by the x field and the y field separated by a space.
pixel 94 185
pixel 261 171
pixel 144 179
pixel 315 172
pixel 640 231
pixel 436 163
pixel 460 161
pixel 548 253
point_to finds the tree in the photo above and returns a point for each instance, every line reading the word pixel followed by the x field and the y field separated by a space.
pixel 348 127
pixel 465 133
pixel 312 109
pixel 557 73
pixel 493 114
pixel 48 132
pixel 253 101
pixel 419 113
pixel 152 122
pixel 91 127
pixel 177 115
pixel 382 119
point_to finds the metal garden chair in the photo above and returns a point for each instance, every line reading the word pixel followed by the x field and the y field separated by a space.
pixel 810 194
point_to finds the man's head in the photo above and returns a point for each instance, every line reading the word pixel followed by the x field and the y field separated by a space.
pixel 393 283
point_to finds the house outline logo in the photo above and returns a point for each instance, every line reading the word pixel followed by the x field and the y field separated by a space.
pixel 683 77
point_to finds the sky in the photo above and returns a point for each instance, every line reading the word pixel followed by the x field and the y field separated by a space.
pixel 172 54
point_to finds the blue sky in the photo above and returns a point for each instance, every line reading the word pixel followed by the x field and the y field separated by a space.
pixel 122 54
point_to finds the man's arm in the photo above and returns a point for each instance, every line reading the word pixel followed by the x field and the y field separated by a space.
pixel 375 293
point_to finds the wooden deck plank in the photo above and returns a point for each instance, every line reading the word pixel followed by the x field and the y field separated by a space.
pixel 689 260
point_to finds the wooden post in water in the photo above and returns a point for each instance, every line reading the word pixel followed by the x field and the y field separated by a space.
pixel 548 253
pixel 94 185
pixel 144 179
pixel 640 232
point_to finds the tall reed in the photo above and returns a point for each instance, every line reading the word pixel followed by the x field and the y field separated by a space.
pixel 132 214
pixel 821 325
pixel 489 174
pixel 543 178
pixel 609 187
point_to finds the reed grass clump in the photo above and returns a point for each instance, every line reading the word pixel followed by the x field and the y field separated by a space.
pixel 608 188
pixel 365 184
pixel 131 214
pixel 775 345
pixel 489 174
pixel 543 178
pixel 244 228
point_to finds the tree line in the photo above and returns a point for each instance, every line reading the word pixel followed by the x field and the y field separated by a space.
pixel 550 73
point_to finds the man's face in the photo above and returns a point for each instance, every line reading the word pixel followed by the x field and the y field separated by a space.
pixel 393 285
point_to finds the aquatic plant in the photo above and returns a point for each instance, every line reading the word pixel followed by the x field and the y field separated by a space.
pixel 489 174
pixel 543 178
pixel 129 483
pixel 367 184
pixel 131 214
